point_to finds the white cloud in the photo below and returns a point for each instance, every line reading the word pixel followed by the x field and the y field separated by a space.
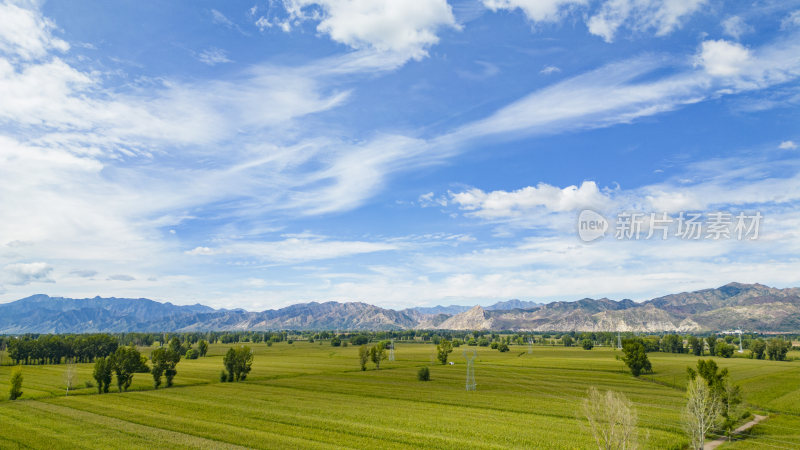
pixel 536 10
pixel 550 70
pixel 792 20
pixel 213 56
pixel 735 27
pixel 296 249
pixel 723 58
pixel 401 27
pixel 220 18
pixel 26 273
pixel 787 145
pixel 503 204
pixel 26 34
pixel 661 16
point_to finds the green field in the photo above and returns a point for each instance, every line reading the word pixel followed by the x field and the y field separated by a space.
pixel 305 395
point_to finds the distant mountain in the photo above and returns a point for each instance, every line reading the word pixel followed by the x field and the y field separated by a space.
pixel 513 304
pixel 439 309
pixel 734 306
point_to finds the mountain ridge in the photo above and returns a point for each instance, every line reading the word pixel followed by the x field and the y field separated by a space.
pixel 753 307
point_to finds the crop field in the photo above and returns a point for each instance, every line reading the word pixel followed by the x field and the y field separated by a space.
pixel 307 395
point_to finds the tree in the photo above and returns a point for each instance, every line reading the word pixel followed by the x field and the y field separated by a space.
pixel 238 362
pixel 16 383
pixel 712 344
pixel 612 420
pixel 672 343
pixel 444 348
pixel 725 350
pixel 636 357
pixel 164 362
pixel 125 362
pixel 728 394
pixel 336 341
pixel 701 412
pixel 377 354
pixel 587 344
pixel 777 349
pixel 192 354
pixel 758 347
pixel 503 347
pixel 363 356
pixel 202 347
pixel 175 346
pixel 102 374
pixel 424 374
pixel 697 345
pixel 567 340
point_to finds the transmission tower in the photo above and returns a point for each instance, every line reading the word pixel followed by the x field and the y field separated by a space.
pixel 619 340
pixel 470 356
pixel 391 351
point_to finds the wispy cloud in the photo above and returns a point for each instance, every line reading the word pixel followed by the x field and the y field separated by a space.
pixel 213 56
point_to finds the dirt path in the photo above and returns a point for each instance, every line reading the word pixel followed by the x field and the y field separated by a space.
pixel 717 442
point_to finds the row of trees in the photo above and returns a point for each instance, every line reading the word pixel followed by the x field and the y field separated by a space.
pixel 55 349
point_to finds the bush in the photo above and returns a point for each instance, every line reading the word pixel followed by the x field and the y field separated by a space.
pixel 336 342
pixel 269 343
pixel 192 354
pixel 424 374
pixel 483 342
pixel 494 345
pixel 587 344
pixel 503 347
pixel 88 384
pixel 223 376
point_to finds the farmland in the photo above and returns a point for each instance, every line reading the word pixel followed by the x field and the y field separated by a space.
pixel 312 395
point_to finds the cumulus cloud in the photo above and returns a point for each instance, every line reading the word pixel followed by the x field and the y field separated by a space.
pixel 723 58
pixel 502 204
pixel 404 28
pixel 787 145
pixel 27 273
pixel 660 16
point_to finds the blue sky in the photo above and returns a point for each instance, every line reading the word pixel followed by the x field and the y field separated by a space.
pixel 258 154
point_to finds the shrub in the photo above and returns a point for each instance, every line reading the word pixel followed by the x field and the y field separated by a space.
pixel 192 354
pixel 336 342
pixel 587 344
pixel 290 341
pixel 223 376
pixel 424 374
pixel 503 347
pixel 494 345
pixel 16 384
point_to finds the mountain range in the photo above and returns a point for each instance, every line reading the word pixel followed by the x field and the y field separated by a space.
pixel 752 307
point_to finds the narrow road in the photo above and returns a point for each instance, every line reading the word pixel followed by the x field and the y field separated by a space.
pixel 717 442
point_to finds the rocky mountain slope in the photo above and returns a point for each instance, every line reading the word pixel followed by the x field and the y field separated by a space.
pixel 733 306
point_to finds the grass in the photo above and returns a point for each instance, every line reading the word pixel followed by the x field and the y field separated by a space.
pixel 315 396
